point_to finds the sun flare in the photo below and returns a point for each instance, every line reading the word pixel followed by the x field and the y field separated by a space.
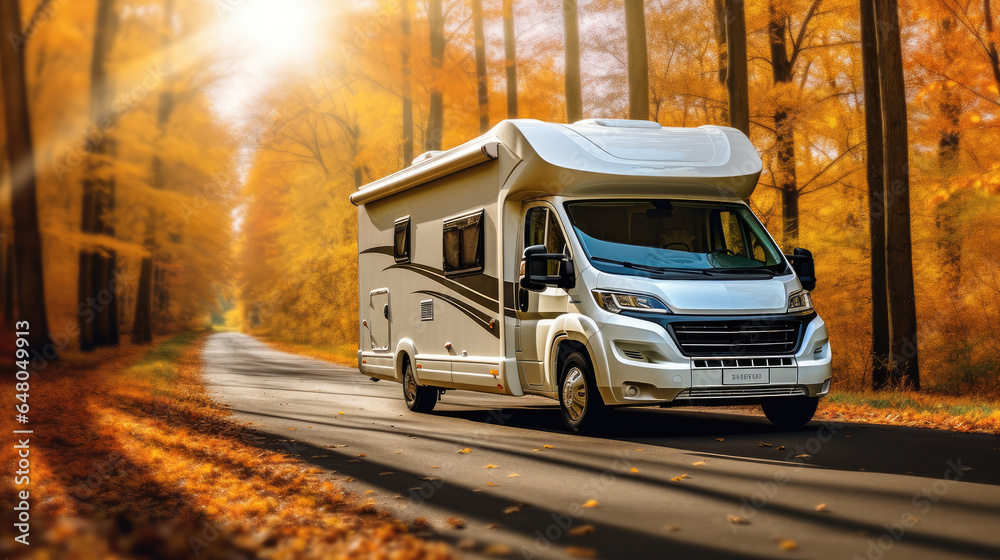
pixel 274 33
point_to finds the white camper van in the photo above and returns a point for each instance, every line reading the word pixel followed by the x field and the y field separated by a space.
pixel 604 263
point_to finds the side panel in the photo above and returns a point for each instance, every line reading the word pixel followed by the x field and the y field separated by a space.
pixel 453 322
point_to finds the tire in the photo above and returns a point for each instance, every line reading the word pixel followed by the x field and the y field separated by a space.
pixel 579 400
pixel 418 398
pixel 793 412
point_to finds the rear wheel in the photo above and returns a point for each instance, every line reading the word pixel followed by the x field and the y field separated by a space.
pixel 579 401
pixel 793 412
pixel 418 398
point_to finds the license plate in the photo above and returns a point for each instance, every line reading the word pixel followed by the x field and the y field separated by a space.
pixel 745 376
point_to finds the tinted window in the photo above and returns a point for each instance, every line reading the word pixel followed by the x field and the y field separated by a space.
pixel 463 245
pixel 401 240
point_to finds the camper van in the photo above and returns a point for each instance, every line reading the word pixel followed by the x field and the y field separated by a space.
pixel 604 263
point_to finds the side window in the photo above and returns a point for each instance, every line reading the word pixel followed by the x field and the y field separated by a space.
pixel 463 245
pixel 541 227
pixel 401 240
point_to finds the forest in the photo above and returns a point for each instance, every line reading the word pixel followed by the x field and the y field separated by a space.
pixel 177 164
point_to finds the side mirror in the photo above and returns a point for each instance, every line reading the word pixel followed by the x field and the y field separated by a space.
pixel 804 267
pixel 535 270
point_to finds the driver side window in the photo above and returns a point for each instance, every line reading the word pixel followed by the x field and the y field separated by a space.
pixel 541 227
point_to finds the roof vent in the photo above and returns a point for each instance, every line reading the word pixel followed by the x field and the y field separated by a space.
pixel 621 123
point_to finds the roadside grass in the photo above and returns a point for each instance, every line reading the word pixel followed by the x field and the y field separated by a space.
pixel 926 410
pixel 131 459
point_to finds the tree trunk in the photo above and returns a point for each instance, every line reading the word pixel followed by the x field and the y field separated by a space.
pixel 574 93
pixel 991 42
pixel 899 258
pixel 638 60
pixel 404 25
pixel 949 145
pixel 737 82
pixel 435 118
pixel 784 129
pixel 29 278
pixel 142 324
pixel 510 57
pixel 876 195
pixel 720 26
pixel 481 80
pixel 98 297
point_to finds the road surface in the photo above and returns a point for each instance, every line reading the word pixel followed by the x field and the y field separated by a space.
pixel 825 491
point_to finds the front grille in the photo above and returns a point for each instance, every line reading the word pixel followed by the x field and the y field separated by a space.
pixel 731 392
pixel 736 338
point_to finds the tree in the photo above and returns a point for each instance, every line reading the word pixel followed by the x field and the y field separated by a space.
pixel 404 52
pixel 737 80
pixel 29 278
pixel 574 94
pixel 991 43
pixel 98 292
pixel 482 84
pixel 510 57
pixel 435 117
pixel 638 60
pixel 876 194
pixel 899 258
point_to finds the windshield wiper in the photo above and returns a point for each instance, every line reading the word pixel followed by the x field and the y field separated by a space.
pixel 765 271
pixel 651 268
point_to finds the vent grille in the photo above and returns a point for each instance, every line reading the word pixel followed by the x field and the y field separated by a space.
pixel 741 362
pixel 427 310
pixel 736 338
pixel 634 355
pixel 729 392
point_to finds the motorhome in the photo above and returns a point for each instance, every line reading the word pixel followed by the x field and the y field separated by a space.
pixel 604 263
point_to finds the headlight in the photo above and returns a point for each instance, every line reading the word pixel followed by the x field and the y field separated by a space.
pixel 799 301
pixel 616 302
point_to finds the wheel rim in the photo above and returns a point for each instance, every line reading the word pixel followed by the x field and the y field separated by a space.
pixel 574 393
pixel 409 387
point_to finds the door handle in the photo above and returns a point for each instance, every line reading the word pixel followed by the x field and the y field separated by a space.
pixel 385 310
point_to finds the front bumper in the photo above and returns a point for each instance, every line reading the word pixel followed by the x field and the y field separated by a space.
pixel 639 362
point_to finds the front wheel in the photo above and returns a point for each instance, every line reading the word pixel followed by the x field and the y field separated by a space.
pixel 418 398
pixel 579 401
pixel 792 412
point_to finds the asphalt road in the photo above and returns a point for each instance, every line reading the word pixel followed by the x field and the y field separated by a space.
pixel 888 492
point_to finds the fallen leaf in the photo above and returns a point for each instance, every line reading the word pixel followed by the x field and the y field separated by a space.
pixel 680 478
pixel 537 449
pixel 354 460
pixel 491 466
pixel 369 492
pixel 497 550
pixel 698 464
pixel 848 436
pixel 386 473
pixel 361 455
pixel 674 528
pixel 341 412
pixel 804 456
pixel 477 490
pixel 309 426
pixel 349 479
pixel 512 509
pixel 780 448
pixel 321 456
pixel 494 526
pixel 421 523
pixel 582 530
pixel 465 450
pixel 638 449
pixel 763 444
pixel 548 447
pixel 581 552
pixel 737 520
pixel 788 545
pixel 821 507
pixel 720 439
pixel 491 483
pixel 456 523
pixel 435 467
pixel 590 503
pixel 635 470
pixel 513 475
pixel 428 478
pixel 293 428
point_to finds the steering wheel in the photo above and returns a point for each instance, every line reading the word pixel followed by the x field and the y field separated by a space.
pixel 681 243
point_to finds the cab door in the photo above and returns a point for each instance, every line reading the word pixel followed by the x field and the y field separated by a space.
pixel 537 310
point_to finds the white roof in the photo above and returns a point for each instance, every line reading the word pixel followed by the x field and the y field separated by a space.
pixel 584 156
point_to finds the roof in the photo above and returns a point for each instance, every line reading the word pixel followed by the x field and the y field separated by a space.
pixel 581 157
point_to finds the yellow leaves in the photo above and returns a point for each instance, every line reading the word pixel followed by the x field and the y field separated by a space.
pixel 293 428
pixel 803 456
pixel 634 470
pixel 787 545
pixel 736 520
pixel 513 475
pixel 465 450
pixel 456 523
pixel 698 463
pixel 386 473
pixel 582 530
pixel 513 509
pixel 590 503
pixel 491 484
pixel 680 477
pixel 720 439
pixel 821 508
pixel 341 412
pixel 763 444
pixel 548 446
pixel 491 466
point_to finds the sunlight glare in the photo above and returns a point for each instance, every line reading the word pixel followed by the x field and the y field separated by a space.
pixel 274 33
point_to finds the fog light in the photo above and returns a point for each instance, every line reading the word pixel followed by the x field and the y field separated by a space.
pixel 826 387
pixel 631 390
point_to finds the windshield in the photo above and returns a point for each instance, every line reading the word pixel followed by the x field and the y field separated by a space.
pixel 652 237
